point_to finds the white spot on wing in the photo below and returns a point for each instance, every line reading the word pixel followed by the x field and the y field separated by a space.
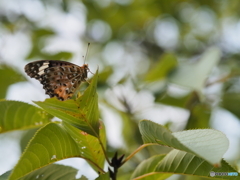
pixel 42 68
pixel 41 72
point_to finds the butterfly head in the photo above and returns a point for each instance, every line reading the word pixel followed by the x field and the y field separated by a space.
pixel 86 69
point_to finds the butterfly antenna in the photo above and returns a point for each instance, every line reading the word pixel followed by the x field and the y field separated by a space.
pixel 86 53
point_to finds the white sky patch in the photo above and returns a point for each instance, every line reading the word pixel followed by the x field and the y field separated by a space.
pixel 34 10
pixel 230 35
pixel 9 150
pixel 229 124
pixel 113 125
pixel 14 47
pixel 99 30
pixel 162 114
pixel 166 33
pixel 84 168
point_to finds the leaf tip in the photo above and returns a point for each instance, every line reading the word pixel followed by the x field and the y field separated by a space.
pixel 217 165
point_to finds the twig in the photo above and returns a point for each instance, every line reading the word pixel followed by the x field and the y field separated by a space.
pixel 136 151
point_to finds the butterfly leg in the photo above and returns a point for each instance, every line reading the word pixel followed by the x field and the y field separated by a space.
pixel 87 80
pixel 91 72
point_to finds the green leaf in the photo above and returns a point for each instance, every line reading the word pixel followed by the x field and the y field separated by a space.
pixel 148 166
pixel 50 144
pixel 61 55
pixel 26 137
pixel 230 101
pixel 82 113
pixel 160 71
pixel 17 115
pixel 194 76
pixel 180 162
pixel 103 177
pixel 8 76
pixel 88 104
pixel 200 115
pixel 89 146
pixel 68 111
pixel 104 75
pixel 5 175
pixel 57 56
pixel 174 101
pixel 43 32
pixel 54 172
pixel 206 143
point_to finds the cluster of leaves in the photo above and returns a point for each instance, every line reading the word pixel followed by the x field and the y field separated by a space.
pixel 81 134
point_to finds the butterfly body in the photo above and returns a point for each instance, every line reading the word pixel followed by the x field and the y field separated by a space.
pixel 59 78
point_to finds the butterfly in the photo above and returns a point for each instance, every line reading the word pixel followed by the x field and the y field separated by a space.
pixel 59 78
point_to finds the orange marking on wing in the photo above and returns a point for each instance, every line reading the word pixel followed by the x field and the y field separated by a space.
pixel 61 92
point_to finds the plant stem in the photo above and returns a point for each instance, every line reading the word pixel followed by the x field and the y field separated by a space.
pixel 222 79
pixel 136 151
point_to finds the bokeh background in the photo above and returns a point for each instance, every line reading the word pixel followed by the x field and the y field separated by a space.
pixel 129 41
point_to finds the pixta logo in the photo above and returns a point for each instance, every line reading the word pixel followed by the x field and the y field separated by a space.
pixel 212 174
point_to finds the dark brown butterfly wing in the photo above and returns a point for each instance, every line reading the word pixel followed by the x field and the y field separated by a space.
pixel 59 78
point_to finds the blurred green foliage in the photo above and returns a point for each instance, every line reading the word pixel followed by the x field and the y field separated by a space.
pixel 8 76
